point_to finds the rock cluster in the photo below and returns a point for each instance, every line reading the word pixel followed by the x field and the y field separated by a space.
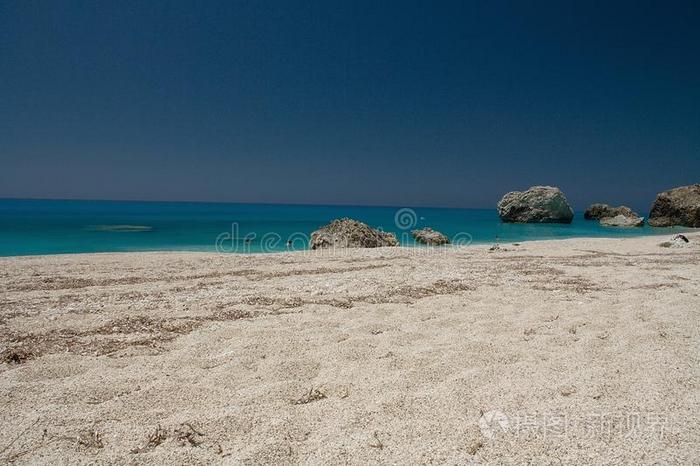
pixel 539 204
pixel 598 211
pixel 622 221
pixel 610 216
pixel 349 233
pixel 430 236
pixel 678 206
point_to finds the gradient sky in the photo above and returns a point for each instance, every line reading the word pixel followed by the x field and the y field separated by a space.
pixel 391 103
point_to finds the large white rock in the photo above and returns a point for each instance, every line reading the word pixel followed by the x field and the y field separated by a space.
pixel 539 204
pixel 678 206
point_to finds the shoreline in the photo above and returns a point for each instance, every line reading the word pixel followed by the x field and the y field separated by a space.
pixel 676 230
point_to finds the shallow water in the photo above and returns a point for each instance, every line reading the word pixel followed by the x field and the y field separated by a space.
pixel 50 227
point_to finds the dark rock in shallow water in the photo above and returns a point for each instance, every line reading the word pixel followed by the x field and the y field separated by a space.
pixel 349 233
pixel 430 236
pixel 539 204
pixel 622 221
pixel 678 206
pixel 598 211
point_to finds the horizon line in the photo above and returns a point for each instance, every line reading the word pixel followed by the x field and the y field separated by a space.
pixel 297 204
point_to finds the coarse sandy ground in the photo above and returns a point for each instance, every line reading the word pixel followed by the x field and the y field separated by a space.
pixel 582 351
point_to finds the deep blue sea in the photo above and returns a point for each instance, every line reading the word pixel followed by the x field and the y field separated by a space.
pixel 30 227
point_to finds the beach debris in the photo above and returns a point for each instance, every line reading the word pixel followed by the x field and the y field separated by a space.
pixel 496 247
pixel 601 211
pixel 185 433
pixel 90 439
pixel 376 441
pixel 474 446
pixel 539 204
pixel 567 390
pixel 429 236
pixel 220 451
pixel 678 241
pixel 188 435
pixel 314 394
pixel 17 355
pixel 157 437
pixel 349 233
pixel 622 221
pixel 678 206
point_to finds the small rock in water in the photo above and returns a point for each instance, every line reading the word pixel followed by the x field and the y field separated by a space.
pixel 622 221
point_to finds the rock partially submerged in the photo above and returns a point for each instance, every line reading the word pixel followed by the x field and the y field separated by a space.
pixel 599 211
pixel 622 221
pixel 349 233
pixel 430 236
pixel 539 204
pixel 678 206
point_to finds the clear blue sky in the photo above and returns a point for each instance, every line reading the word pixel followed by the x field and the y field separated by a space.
pixel 396 103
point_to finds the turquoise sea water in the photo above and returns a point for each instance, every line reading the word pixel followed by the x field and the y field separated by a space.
pixel 30 227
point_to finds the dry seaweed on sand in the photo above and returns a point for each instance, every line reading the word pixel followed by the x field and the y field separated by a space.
pixel 188 435
pixel 89 438
pixel 376 442
pixel 17 355
pixel 158 436
pixel 314 394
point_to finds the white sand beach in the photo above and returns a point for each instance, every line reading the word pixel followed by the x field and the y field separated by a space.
pixel 582 351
